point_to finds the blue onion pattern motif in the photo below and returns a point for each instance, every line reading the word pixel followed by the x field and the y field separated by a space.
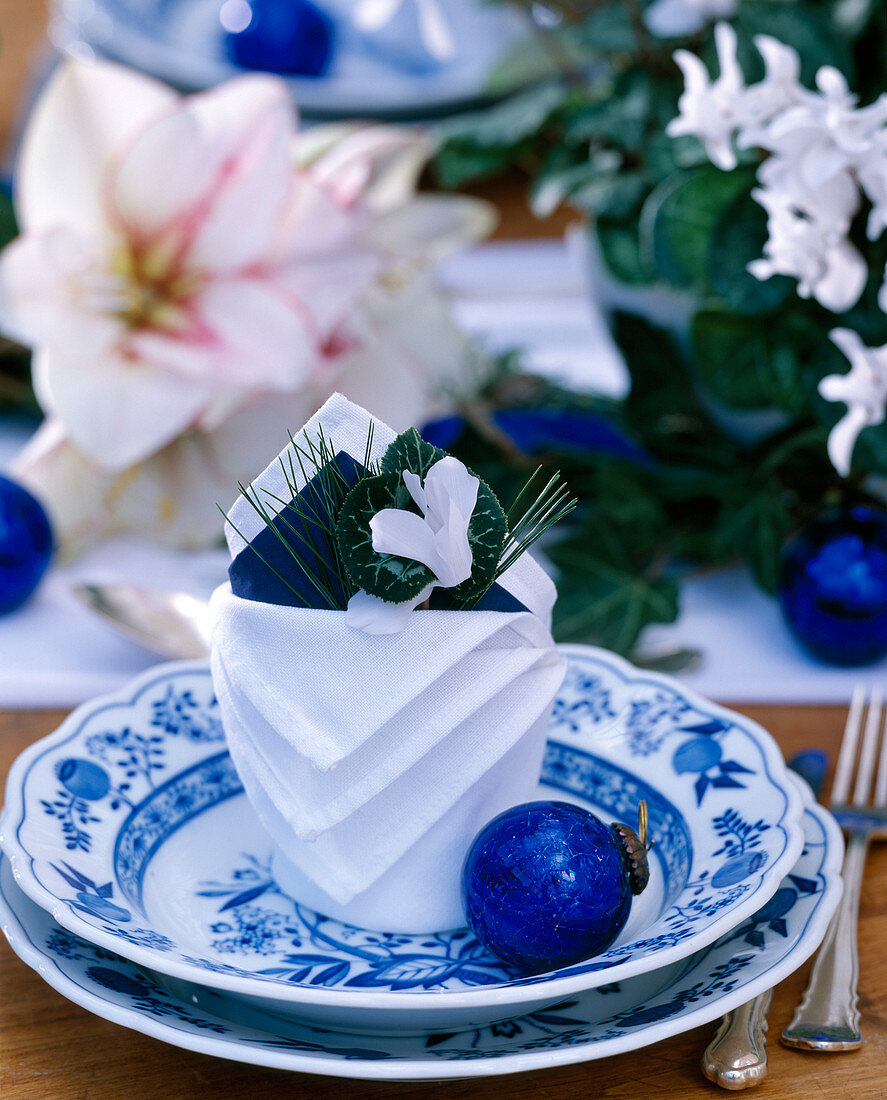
pixel 127 761
pixel 697 755
pixel 83 778
pixel 772 915
pixel 92 898
pixel 147 996
pixel 703 756
pixel 737 869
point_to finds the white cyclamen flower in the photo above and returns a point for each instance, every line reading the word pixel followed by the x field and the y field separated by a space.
pixel 372 15
pixel 817 145
pixel 864 391
pixel 826 265
pixel 711 110
pixel 438 539
pixel 677 18
pixel 779 89
pixel 872 175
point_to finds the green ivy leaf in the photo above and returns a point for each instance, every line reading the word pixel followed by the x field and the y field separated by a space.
pixel 620 250
pixel 486 536
pixel 509 122
pixel 531 60
pixel 615 195
pixel 755 522
pixel 458 163
pixel 621 119
pixel 802 26
pixel 8 223
pixel 738 237
pixel 601 602
pixel 607 29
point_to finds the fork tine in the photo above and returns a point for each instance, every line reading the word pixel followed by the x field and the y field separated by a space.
pixel 844 769
pixel 866 770
pixel 881 783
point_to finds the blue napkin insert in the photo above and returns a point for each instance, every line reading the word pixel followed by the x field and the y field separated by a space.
pixel 254 572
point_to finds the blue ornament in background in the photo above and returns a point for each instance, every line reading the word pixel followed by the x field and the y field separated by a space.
pixel 536 431
pixel 278 36
pixel 25 544
pixel 833 590
pixel 546 884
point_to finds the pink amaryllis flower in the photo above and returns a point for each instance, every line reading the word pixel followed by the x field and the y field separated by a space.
pixel 171 260
pixel 192 264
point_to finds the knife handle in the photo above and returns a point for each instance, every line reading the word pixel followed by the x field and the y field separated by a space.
pixel 736 1058
pixel 827 1018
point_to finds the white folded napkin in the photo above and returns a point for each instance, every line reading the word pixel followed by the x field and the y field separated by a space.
pixel 373 760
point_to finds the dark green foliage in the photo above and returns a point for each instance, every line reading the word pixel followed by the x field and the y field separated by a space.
pixel 722 484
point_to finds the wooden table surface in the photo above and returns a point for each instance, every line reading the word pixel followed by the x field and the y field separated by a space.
pixel 51 1049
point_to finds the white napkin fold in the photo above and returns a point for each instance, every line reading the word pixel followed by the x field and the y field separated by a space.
pixel 375 759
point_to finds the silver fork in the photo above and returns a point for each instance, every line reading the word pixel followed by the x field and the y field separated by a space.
pixel 827 1018
pixel 736 1057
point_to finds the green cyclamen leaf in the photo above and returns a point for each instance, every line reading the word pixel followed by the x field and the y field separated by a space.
pixel 397 579
pixel 486 536
pixel 409 451
pixel 389 577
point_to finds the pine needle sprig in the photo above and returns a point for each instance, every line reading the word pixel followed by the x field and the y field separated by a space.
pixel 263 559
pixel 305 524
pixel 551 505
pixel 268 517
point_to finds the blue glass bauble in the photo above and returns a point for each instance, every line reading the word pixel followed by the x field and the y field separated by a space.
pixel 546 884
pixel 25 544
pixel 833 590
pixel 278 36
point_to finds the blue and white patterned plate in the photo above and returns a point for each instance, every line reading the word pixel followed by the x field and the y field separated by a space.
pixel 611 1019
pixel 383 74
pixel 130 826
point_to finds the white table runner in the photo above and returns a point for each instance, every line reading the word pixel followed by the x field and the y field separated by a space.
pixel 528 294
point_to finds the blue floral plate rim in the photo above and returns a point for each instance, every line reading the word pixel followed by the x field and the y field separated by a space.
pixel 715 980
pixel 509 993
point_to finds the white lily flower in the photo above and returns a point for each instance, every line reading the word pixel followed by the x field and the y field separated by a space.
pixel 438 539
pixel 373 15
pixel 186 262
pixel 863 389
pixel 711 110
pixel 826 265
pixel 677 18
